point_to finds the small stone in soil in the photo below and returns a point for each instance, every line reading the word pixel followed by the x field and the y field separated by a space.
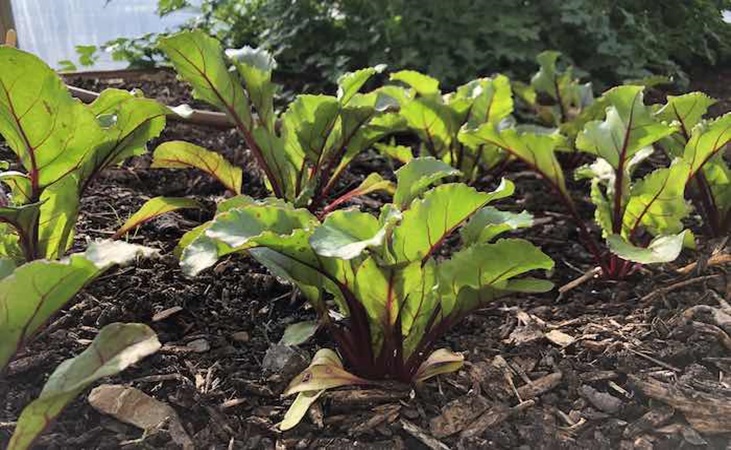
pixel 285 360
pixel 199 345
pixel 601 400
pixel 240 336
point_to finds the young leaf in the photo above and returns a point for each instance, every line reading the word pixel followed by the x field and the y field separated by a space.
pixel 629 127
pixel 153 208
pixel 183 155
pixel 536 150
pixel 423 84
pixel 440 362
pixel 299 333
pixel 37 290
pixel 431 219
pixel 346 234
pixel 116 347
pixel 417 176
pixel 662 249
pixel 490 222
pixel 706 142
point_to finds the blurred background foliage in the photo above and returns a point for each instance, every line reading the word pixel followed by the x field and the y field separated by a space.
pixel 314 41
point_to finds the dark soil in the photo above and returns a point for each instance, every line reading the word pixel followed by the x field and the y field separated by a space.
pixel 225 400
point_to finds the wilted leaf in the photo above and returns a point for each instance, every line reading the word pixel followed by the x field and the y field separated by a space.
pixel 116 347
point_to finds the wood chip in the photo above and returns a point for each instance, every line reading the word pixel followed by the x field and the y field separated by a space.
pixel 493 417
pixel 706 413
pixel 430 441
pixel 560 338
pixel 166 314
pixel 652 419
pixel 457 415
pixel 540 386
pixel 134 407
pixel 601 400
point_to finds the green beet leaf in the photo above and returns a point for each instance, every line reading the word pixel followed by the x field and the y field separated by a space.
pixel 662 249
pixel 62 145
pixel 153 208
pixel 37 290
pixel 628 128
pixel 183 155
pixel 116 347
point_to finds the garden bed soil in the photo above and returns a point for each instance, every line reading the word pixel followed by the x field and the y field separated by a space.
pixel 582 369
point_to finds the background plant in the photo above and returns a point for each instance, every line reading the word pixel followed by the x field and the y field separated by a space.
pixel 301 152
pixel 319 40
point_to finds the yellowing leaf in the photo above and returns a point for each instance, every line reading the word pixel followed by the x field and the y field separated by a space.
pixel 153 208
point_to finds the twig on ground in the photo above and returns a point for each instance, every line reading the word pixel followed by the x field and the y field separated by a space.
pixel 579 281
pixel 678 285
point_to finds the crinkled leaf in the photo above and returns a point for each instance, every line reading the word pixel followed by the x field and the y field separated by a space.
pixel 116 347
pixel 198 59
pixel 486 266
pixel 433 122
pixel 431 219
pixel 183 155
pixel 7 266
pixel 629 127
pixel 417 176
pixel 422 84
pixel 400 153
pixel 255 66
pixel 662 249
pixel 492 100
pixel 346 234
pixel 308 122
pixel 490 222
pixel 37 290
pixel 153 208
pixel 687 110
pixel 536 150
pixel 439 362
pixel 129 122
pixel 350 83
pixel 657 203
pixel 706 142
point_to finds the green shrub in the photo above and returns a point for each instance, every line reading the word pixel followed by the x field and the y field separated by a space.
pixel 455 41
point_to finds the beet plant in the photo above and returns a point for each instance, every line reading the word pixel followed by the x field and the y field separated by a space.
pixel 640 221
pixel 301 152
pixel 701 144
pixel 394 278
pixel 61 145
pixel 436 119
